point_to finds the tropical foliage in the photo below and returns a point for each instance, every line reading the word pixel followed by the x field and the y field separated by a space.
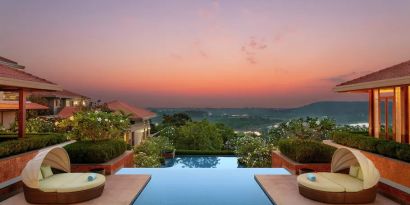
pixel 302 128
pixel 95 125
pixel 252 151
pixel 30 142
pixel 306 151
pixel 379 146
pixel 148 153
pixel 92 152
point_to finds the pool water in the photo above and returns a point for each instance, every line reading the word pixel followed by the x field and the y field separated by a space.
pixel 202 162
pixel 223 184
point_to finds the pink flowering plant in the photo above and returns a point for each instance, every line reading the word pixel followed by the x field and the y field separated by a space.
pixel 96 125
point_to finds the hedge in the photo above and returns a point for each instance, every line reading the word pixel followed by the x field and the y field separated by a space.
pixel 30 142
pixel 89 152
pixel 203 152
pixel 379 146
pixel 306 151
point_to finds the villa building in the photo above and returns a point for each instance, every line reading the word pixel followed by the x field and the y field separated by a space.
pixel 16 84
pixel 140 125
pixel 63 101
pixel 389 101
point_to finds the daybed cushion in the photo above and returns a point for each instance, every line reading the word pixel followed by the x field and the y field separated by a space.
pixel 350 184
pixel 321 183
pixel 70 182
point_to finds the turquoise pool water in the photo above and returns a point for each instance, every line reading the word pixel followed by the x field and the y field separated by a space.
pixel 202 186
pixel 202 162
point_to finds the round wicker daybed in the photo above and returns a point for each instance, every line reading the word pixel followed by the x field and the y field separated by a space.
pixel 353 180
pixel 62 188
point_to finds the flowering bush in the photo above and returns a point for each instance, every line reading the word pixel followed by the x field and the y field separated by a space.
pixel 39 125
pixel 142 159
pixel 303 128
pixel 148 154
pixel 95 125
pixel 252 151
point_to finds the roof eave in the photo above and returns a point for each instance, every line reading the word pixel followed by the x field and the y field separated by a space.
pixel 28 84
pixel 373 84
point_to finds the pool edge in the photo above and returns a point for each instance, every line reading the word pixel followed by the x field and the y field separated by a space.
pixel 140 191
pixel 264 191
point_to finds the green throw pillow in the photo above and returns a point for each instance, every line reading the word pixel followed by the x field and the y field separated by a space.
pixel 354 171
pixel 46 171
pixel 360 174
pixel 40 176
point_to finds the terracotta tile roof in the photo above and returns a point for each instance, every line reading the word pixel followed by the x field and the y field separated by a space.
pixel 13 105
pixel 67 112
pixel 7 72
pixel 396 71
pixel 137 113
pixel 60 94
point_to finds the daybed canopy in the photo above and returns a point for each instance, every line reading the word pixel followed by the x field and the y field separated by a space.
pixel 55 157
pixel 343 158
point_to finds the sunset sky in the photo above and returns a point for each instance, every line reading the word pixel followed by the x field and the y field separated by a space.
pixel 193 53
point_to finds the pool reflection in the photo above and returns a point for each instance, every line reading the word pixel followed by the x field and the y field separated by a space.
pixel 202 162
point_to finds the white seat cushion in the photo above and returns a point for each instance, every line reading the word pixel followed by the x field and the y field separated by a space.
pixel 70 182
pixel 351 184
pixel 321 184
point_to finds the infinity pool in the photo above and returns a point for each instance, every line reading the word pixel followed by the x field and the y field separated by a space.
pixel 202 186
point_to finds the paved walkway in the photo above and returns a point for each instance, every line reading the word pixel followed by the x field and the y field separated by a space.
pixel 283 190
pixel 119 190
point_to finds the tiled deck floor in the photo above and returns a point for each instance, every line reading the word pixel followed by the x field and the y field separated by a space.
pixel 119 190
pixel 283 190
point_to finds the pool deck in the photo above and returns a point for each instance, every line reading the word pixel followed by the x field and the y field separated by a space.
pixel 283 190
pixel 119 190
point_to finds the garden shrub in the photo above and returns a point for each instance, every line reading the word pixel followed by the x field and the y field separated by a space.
pixel 403 152
pixel 30 142
pixel 386 148
pixel 142 159
pixel 252 151
pixel 306 151
pixel 82 152
pixel 148 153
pixel 379 146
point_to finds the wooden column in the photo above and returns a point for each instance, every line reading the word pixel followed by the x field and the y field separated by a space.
pixel 22 114
pixel 376 113
pixel 371 113
pixel 397 114
pixel 405 114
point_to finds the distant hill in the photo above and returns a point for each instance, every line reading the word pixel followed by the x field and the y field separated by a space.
pixel 260 118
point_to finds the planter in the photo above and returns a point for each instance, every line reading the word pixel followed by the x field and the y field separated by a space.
pixel 281 161
pixel 110 167
pixel 168 154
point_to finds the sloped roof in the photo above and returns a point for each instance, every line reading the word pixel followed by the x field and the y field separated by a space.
pixel 13 105
pixel 60 94
pixel 135 112
pixel 6 60
pixel 67 112
pixel 12 77
pixel 392 76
